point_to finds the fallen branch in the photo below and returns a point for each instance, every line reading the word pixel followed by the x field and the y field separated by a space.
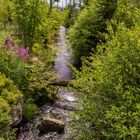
pixel 60 83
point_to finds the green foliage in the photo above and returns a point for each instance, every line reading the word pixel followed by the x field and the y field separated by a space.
pixel 9 97
pixel 5 118
pixel 6 20
pixel 28 18
pixel 5 12
pixel 109 85
pixel 32 78
pixel 34 24
pixel 28 110
pixel 28 22
pixel 86 32
pixel 51 25
pixel 38 87
pixel 70 15
pixel 41 74
pixel 14 69
pixel 127 11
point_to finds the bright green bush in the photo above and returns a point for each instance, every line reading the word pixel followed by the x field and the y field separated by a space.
pixel 5 12
pixel 109 86
pixel 127 11
pixel 5 119
pixel 9 97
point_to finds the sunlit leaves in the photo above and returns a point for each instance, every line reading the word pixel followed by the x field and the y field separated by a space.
pixel 9 97
pixel 109 85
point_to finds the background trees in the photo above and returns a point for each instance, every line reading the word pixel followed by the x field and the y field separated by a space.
pixel 30 19
pixel 86 32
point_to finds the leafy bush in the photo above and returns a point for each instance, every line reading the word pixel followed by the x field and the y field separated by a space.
pixel 9 97
pixel 5 12
pixel 28 110
pixel 109 86
pixel 127 11
pixel 39 88
pixel 32 78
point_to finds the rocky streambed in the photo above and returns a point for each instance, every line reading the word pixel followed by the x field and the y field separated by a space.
pixel 52 121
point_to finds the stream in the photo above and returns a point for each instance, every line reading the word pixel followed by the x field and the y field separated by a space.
pixel 52 121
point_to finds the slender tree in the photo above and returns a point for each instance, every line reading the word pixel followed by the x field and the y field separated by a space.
pixel 28 19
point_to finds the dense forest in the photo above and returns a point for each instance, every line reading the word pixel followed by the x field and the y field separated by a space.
pixel 69 70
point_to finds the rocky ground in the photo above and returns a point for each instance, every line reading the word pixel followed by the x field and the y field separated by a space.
pixel 53 120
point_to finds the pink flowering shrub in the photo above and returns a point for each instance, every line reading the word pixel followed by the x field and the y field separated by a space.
pixel 23 53
pixel 20 52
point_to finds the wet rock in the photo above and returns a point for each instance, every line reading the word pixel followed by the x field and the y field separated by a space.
pixel 51 125
pixel 66 95
pixel 26 136
pixel 64 105
pixel 52 136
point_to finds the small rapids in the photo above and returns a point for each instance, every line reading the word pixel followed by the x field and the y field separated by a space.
pixel 52 121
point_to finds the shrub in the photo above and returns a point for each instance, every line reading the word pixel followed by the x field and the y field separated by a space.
pixel 9 97
pixel 39 88
pixel 109 85
pixel 28 110
pixel 127 11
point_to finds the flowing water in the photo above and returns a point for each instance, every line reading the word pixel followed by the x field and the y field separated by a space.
pixel 53 119
pixel 63 55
